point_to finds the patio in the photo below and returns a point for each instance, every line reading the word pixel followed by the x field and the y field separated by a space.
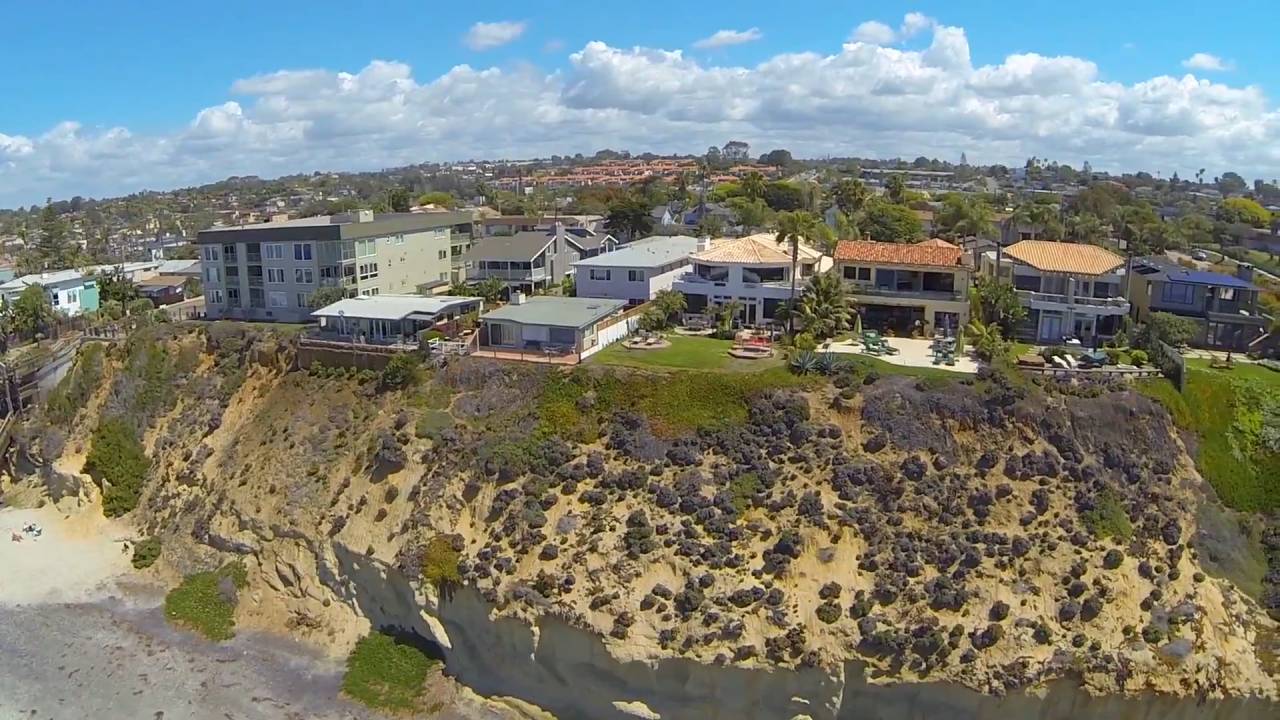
pixel 911 353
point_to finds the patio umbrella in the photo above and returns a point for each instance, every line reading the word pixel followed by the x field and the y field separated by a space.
pixel 857 324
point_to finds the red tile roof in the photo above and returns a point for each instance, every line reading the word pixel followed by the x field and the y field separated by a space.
pixel 898 254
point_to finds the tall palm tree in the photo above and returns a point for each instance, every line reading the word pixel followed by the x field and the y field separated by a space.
pixel 896 189
pixel 1086 228
pixel 851 196
pixel 753 185
pixel 967 217
pixel 793 229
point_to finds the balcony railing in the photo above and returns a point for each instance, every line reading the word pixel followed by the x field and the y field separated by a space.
pixel 530 274
pixel 253 257
pixel 1078 300
pixel 942 295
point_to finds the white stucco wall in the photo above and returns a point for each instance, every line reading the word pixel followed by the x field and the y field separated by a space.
pixel 618 287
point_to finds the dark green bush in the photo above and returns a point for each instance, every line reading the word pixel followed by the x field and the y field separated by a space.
pixel 117 460
pixel 146 552
pixel 385 674
pixel 440 562
pixel 206 602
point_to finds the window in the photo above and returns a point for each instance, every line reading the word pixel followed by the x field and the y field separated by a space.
pixel 329 272
pixel 73 297
pixel 367 292
pixel 304 276
pixel 443 255
pixel 229 251
pixel 302 251
pixel 213 275
pixel 400 239
pixel 600 274
pixel 858 274
pixel 302 299
pixel 211 253
pixel 275 251
pixel 1226 293
pixel 1179 293
pixel 277 299
pixel 368 271
pixel 233 296
pixel 215 297
pixel 444 276
pixel 635 276
pixel 365 248
pixel 55 298
pixel 275 275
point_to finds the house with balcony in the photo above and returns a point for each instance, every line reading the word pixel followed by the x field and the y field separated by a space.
pixel 1070 290
pixel 902 287
pixel 70 292
pixel 269 271
pixel 636 271
pixel 1225 307
pixel 754 270
pixel 535 259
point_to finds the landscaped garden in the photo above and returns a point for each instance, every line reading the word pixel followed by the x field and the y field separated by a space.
pixel 684 353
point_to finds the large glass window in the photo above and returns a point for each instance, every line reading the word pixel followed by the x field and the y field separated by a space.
pixel 302 251
pixel 274 251
pixel 1179 293
pixel 712 272
pixel 275 276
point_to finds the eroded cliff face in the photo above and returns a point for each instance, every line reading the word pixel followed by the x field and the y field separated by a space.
pixel 885 548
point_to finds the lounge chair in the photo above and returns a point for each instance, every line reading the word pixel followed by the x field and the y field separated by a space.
pixel 889 349
pixel 1060 362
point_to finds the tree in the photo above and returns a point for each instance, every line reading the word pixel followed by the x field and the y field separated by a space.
pixel 995 302
pixel 710 226
pixel 115 285
pixel 490 289
pixel 1244 210
pixel 795 228
pixel 31 312
pixel 985 338
pixel 1086 228
pixel 53 250
pixel 325 296
pixel 750 213
pixel 824 307
pixel 966 216
pixel 399 200
pixel 1165 327
pixel 629 218
pixel 1194 229
pixel 1042 218
pixel 850 196
pixel 1231 183
pixel 783 196
pixel 1101 199
pixel 668 304
pixel 888 222
pixel 441 199
pixel 1139 227
pixel 846 227
pixel 568 286
pixel 777 158
pixel 896 189
pixel 753 185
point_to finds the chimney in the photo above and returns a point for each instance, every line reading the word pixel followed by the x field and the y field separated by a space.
pixel 704 243
pixel 517 297
pixel 1244 271
pixel 364 216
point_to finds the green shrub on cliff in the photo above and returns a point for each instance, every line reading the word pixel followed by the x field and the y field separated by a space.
pixel 440 562
pixel 117 460
pixel 146 552
pixel 402 371
pixel 386 675
pixel 206 602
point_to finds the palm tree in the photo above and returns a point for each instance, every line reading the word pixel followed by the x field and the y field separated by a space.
pixel 967 217
pixel 794 228
pixel 1086 228
pixel 896 188
pixel 824 307
pixel 851 196
pixel 753 185
pixel 490 289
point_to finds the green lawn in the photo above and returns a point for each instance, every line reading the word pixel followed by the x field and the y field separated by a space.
pixel 685 353
pixel 1226 409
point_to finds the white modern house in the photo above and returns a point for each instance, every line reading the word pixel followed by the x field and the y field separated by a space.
pixel 635 272
pixel 392 318
pixel 754 270
pixel 1070 290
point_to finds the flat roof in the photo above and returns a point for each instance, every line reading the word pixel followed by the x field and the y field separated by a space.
pixel 344 226
pixel 392 307
pixel 645 253
pixel 555 310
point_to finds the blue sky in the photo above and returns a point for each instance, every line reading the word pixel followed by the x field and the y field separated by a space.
pixel 152 67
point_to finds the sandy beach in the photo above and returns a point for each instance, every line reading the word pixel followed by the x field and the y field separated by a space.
pixel 82 637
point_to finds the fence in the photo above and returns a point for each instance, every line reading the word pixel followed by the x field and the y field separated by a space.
pixel 613 329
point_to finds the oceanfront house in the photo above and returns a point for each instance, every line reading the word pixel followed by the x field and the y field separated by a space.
pixel 163 290
pixel 392 319
pixel 1071 291
pixel 907 287
pixel 755 271
pixel 507 225
pixel 536 259
pixel 1224 306
pixel 71 292
pixel 637 270
pixel 269 271
pixel 552 325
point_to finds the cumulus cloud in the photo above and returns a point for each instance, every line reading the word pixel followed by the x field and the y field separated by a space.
pixel 489 35
pixel 863 99
pixel 725 38
pixel 875 32
pixel 1207 62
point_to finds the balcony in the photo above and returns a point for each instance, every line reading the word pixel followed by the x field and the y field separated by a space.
pixel 935 295
pixel 253 258
pixel 1055 301
pixel 521 275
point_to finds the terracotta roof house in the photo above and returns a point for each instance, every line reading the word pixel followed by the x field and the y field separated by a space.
pixel 906 288
pixel 754 270
pixel 1071 291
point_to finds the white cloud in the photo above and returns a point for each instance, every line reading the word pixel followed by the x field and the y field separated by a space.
pixel 875 32
pixel 863 99
pixel 1207 62
pixel 489 35
pixel 725 38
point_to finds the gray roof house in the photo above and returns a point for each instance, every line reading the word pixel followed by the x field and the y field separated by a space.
pixel 535 259
pixel 552 328
pixel 391 319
